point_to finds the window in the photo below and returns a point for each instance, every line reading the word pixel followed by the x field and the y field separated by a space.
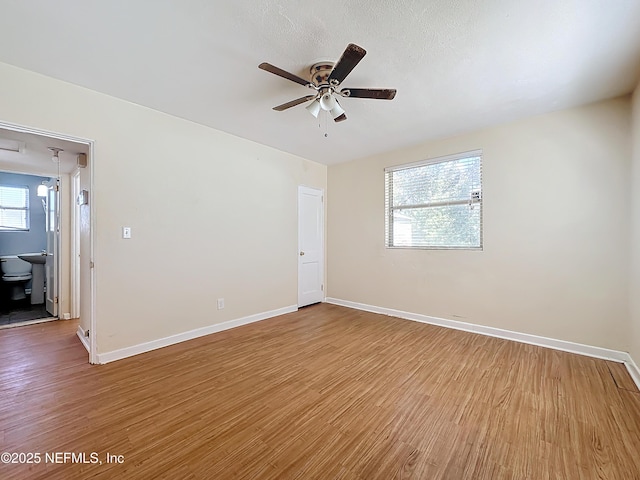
pixel 14 208
pixel 435 203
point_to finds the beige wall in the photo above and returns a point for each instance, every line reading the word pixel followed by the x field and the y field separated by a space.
pixel 212 215
pixel 556 234
pixel 635 231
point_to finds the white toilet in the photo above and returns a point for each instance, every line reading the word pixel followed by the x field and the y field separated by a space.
pixel 15 274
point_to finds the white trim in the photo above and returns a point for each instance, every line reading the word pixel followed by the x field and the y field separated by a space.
pixel 563 345
pixel 633 370
pixel 45 133
pixel 58 235
pixel 190 335
pixel 93 322
pixel 74 264
pixel 82 335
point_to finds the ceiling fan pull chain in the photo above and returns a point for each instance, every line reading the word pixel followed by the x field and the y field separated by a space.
pixel 326 124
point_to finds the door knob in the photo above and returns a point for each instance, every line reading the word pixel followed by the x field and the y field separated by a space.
pixel 301 253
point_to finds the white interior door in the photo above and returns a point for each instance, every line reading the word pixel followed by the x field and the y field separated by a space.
pixel 310 246
pixel 51 265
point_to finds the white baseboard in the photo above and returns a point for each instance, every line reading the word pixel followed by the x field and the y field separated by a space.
pixel 633 370
pixel 191 334
pixel 565 346
pixel 83 337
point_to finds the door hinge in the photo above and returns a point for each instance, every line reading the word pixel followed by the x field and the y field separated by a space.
pixel 91 264
pixel 322 287
pixel 55 300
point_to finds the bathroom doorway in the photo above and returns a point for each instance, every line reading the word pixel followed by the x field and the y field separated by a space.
pixel 60 224
pixel 24 218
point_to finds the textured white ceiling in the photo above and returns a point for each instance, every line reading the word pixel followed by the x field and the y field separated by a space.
pixel 458 65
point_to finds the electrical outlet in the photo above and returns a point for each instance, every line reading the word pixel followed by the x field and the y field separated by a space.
pixel 220 303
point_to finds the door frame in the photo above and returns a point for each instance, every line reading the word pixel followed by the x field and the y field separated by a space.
pixel 93 354
pixel 302 188
pixel 74 287
pixel 54 187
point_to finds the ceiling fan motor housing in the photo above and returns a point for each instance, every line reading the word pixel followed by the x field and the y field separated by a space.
pixel 320 73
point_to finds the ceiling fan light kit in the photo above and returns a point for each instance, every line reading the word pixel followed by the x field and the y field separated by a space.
pixel 314 108
pixel 327 101
pixel 326 79
pixel 337 110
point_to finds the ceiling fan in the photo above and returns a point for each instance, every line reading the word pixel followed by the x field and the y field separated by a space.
pixel 326 79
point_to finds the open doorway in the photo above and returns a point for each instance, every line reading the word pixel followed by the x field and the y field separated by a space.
pixel 25 248
pixel 47 233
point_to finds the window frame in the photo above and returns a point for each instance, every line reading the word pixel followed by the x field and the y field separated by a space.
pixel 26 209
pixel 389 208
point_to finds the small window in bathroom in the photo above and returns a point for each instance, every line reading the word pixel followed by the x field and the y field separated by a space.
pixel 14 208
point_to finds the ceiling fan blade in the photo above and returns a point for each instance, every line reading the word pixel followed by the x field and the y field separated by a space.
pixel 349 59
pixel 341 118
pixel 293 103
pixel 377 93
pixel 283 73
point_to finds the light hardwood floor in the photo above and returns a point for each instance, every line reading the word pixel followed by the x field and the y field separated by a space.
pixel 324 393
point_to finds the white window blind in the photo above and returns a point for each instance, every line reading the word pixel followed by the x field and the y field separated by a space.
pixel 435 203
pixel 14 208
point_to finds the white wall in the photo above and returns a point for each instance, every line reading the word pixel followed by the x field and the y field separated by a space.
pixel 161 176
pixel 635 230
pixel 556 234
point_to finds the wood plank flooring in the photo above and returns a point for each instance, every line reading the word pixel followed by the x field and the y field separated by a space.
pixel 324 393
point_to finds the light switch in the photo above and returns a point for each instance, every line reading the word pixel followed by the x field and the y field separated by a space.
pixel 126 232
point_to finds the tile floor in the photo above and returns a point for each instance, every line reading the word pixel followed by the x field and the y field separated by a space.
pixel 21 311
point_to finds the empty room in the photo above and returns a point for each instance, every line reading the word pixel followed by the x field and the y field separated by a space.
pixel 341 240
